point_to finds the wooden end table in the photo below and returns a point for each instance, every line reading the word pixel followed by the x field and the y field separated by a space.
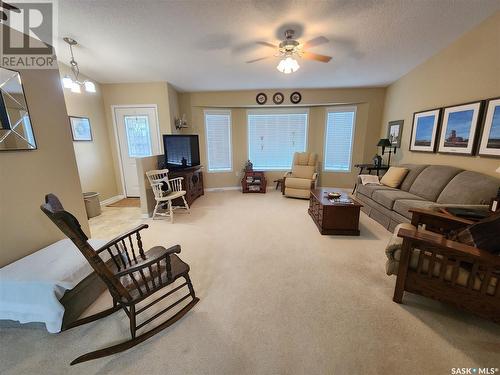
pixel 339 217
pixel 253 182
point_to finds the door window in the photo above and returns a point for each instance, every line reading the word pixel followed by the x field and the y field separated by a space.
pixel 138 137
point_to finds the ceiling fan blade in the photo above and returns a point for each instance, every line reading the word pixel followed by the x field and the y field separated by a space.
pixel 267 44
pixel 255 60
pixel 315 42
pixel 315 56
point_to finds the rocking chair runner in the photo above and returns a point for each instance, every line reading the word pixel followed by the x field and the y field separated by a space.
pixel 131 275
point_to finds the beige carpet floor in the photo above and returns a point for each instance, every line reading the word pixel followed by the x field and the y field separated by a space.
pixel 276 298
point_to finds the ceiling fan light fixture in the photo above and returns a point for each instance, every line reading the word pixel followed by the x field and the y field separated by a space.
pixel 288 65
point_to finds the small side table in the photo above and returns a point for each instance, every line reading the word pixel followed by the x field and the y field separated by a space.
pixel 369 168
pixel 253 182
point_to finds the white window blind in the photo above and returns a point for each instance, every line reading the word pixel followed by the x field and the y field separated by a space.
pixel 218 138
pixel 273 137
pixel 339 138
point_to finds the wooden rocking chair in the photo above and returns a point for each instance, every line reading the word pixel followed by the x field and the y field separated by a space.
pixel 131 275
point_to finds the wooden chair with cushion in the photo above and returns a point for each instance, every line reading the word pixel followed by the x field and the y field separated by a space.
pixel 166 191
pixel 431 262
pixel 130 274
pixel 299 182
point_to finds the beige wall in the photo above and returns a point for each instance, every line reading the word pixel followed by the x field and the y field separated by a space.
pixel 94 160
pixel 370 103
pixel 467 70
pixel 135 94
pixel 26 176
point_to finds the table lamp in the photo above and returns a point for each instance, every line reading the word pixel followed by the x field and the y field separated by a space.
pixel 384 142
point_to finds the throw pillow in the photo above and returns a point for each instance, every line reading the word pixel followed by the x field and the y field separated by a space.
pixel 483 234
pixel 394 176
pixel 165 188
pixel 369 179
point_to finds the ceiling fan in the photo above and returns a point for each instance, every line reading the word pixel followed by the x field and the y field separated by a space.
pixel 290 48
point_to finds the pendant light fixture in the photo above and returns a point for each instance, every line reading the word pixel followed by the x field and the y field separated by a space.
pixel 74 84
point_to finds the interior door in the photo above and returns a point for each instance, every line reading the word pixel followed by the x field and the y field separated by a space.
pixel 138 136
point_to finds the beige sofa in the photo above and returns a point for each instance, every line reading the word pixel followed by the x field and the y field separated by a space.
pixel 426 186
pixel 299 182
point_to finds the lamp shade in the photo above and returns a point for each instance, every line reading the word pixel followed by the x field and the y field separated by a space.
pixel 384 142
pixel 288 65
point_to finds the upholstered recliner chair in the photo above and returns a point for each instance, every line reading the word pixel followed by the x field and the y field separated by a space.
pixel 299 182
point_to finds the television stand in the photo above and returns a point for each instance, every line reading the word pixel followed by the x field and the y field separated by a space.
pixel 192 183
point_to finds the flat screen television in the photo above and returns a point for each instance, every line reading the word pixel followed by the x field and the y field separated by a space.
pixel 181 151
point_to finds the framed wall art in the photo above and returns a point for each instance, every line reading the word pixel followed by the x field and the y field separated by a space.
pixel 424 130
pixel 394 132
pixel 459 128
pixel 80 128
pixel 489 144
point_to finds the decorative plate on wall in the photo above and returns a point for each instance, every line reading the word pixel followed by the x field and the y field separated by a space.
pixel 278 98
pixel 261 98
pixel 295 97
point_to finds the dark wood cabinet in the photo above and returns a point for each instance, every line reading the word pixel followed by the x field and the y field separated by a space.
pixel 192 183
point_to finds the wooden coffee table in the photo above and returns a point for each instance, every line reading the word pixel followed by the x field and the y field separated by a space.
pixel 339 217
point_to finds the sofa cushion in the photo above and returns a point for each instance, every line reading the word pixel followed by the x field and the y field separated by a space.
pixel 469 187
pixel 432 180
pixel 413 171
pixel 403 205
pixel 303 171
pixel 387 197
pixel 368 190
pixel 394 176
pixel 298 183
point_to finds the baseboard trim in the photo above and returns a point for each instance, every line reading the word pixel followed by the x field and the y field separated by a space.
pixel 111 200
pixel 223 188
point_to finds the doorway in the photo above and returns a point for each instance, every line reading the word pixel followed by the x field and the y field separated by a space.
pixel 138 136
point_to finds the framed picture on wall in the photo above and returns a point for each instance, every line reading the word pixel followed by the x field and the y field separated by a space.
pixel 459 128
pixel 80 128
pixel 394 132
pixel 489 144
pixel 424 130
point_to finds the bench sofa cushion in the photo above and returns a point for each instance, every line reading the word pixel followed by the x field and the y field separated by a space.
pixel 469 187
pixel 387 197
pixel 432 180
pixel 403 205
pixel 368 190
pixel 413 171
pixel 31 287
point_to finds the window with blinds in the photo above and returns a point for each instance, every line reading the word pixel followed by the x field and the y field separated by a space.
pixel 339 138
pixel 218 138
pixel 274 136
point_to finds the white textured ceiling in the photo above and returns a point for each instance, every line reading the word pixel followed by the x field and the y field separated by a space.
pixel 203 45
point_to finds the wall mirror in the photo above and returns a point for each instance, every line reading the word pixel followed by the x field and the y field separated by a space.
pixel 16 132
